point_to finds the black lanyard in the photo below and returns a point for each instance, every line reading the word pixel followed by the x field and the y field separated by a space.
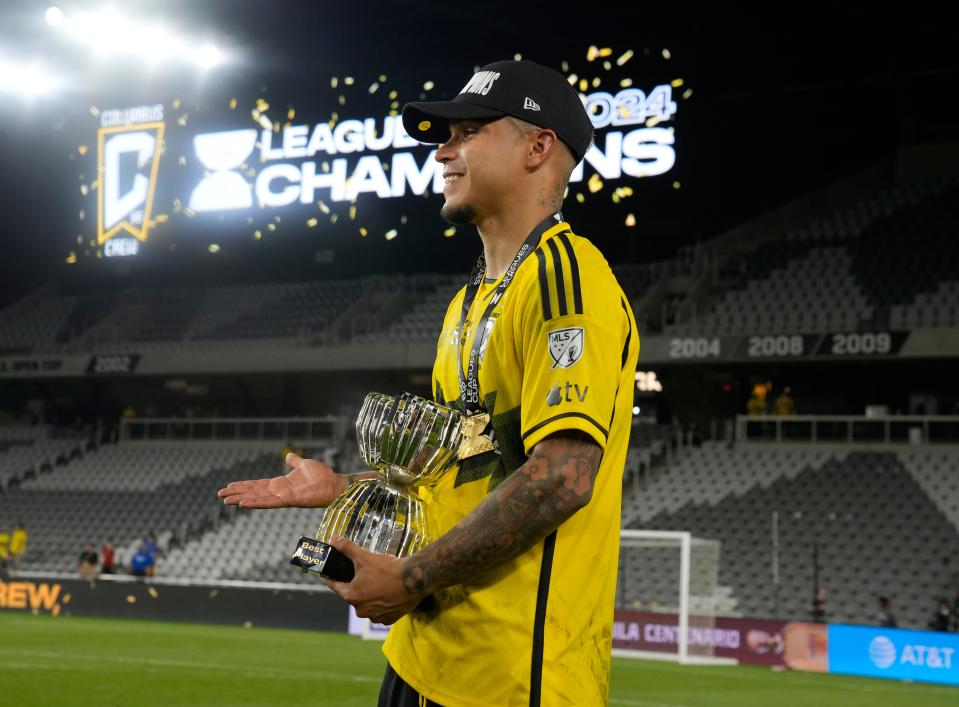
pixel 469 379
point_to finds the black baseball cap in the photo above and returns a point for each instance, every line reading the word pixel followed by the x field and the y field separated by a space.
pixel 522 89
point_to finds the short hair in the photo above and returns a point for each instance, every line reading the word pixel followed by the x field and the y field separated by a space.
pixel 523 127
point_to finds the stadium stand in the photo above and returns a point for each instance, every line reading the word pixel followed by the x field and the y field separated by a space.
pixel 27 451
pixel 885 523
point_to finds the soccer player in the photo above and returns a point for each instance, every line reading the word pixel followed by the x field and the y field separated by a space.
pixel 512 603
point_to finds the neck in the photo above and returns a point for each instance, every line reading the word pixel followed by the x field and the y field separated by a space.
pixel 502 236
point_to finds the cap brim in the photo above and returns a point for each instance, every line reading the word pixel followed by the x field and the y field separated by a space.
pixel 430 121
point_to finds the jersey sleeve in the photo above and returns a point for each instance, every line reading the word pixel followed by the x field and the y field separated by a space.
pixel 574 336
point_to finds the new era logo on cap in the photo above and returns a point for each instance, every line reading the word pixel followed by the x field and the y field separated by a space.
pixel 530 104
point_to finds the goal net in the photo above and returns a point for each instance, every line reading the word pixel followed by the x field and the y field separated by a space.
pixel 667 597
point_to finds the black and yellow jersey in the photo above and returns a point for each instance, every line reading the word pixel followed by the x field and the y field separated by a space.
pixel 560 354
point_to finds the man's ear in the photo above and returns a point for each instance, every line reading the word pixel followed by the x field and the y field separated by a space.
pixel 541 145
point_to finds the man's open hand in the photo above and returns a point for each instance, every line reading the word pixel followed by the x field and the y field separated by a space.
pixel 309 484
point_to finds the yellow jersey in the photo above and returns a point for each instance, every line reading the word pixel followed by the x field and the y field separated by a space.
pixel 560 354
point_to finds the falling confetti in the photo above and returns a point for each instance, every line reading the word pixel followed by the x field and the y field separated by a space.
pixel 428 86
pixel 94 111
pixel 630 220
pixel 580 198
pixel 626 83
pixel 232 104
pixel 291 114
pixel 583 85
pixel 82 149
pixel 271 227
pixel 363 232
pixel 687 93
pixel 676 83
pixel 596 82
pixel 353 214
pixel 257 235
pixel 381 78
pixel 181 160
pixel 323 207
pixel 572 78
pixel 607 65
pixel 595 183
pixel 153 592
pixel 667 54
pixel 624 57
pixel 393 94
pixel 373 87
pixel 592 53
pixel 565 67
pixel 517 56
pixel 334 218
pixel 450 232
pixel 181 121
pixel 262 105
pixel 311 222
pixel 676 185
pixel 342 100
pixel 131 599
pixel 72 258
pixel 213 248
pixel 391 234
pixel 176 103
pixel 348 80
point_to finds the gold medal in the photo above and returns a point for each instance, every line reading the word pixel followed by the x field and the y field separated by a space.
pixel 474 442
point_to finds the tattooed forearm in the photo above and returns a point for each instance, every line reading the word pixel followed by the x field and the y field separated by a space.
pixel 555 482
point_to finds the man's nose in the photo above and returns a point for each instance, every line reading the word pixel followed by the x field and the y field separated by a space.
pixel 445 152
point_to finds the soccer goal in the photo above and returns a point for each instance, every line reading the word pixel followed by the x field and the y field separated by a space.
pixel 667 597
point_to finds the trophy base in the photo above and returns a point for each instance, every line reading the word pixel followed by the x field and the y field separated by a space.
pixel 317 557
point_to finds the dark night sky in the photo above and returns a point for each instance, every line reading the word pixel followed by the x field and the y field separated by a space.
pixel 786 98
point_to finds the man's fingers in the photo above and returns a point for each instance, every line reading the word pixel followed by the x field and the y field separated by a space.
pixel 293 460
pixel 234 488
pixel 347 547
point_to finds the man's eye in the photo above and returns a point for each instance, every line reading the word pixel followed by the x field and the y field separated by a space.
pixel 470 131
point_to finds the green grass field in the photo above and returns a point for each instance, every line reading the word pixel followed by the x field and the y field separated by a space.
pixel 65 661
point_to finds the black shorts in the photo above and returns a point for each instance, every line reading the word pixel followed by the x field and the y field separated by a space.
pixel 394 692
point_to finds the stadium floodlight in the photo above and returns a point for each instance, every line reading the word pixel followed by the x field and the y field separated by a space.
pixel 207 56
pixel 53 16
pixel 26 81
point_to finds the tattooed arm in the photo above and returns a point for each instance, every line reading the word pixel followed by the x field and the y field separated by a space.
pixel 554 483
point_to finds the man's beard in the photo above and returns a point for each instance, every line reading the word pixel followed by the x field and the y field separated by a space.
pixel 458 215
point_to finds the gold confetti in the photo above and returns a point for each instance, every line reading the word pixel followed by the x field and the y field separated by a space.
pixel 257 235
pixel 607 65
pixel 82 214
pixel 291 114
pixel 82 149
pixel 162 218
pixel 676 83
pixel 592 53
pixel 311 222
pixel 334 82
pixel 373 87
pixel 391 234
pixel 262 105
pixel 334 218
pixel 131 599
pixel 352 213
pixel 517 57
pixel 177 205
pixel 213 248
pixel 630 220
pixel 153 592
pixel 72 258
pixel 393 94
pixel 213 593
pixel 363 232
pixel 84 189
pixel 325 166
pixel 583 85
pixel 247 624
pixel 395 104
pixel 624 57
pixel 596 82
pixel 428 86
pixel 381 78
pixel 342 100
pixel 181 160
pixel 94 111
pixel 653 121
pixel 271 227
pixel 323 207
pixel 572 78
pixel 595 183
pixel 393 113
pixel 67 598
pixel 580 198
pixel 626 83
pixel 232 104
pixel 687 93
pixel 176 103
pixel 450 232
pixel 348 80
pixel 565 66
pixel 181 121
pixel 667 54
pixel 676 185
pixel 605 51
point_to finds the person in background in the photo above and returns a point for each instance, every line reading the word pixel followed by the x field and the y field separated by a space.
pixel 88 564
pixel 4 551
pixel 18 544
pixel 141 562
pixel 784 404
pixel 152 549
pixel 108 553
pixel 885 617
pixel 818 608
pixel 942 619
